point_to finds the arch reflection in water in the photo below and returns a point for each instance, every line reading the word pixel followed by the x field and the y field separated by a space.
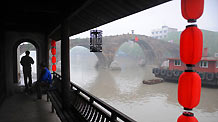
pixel 104 85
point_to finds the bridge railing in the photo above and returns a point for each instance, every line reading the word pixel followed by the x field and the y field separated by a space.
pixel 92 108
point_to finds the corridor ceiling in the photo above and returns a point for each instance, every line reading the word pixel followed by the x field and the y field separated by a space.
pixel 46 17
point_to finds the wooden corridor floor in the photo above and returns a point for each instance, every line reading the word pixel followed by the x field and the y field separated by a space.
pixel 25 108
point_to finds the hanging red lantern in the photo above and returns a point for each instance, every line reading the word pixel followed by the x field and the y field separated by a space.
pixel 191 44
pixel 53 67
pixel 53 59
pixel 189 90
pixel 53 43
pixel 187 117
pixel 192 9
pixel 53 51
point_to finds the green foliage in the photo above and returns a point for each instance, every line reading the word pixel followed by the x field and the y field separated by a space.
pixel 175 36
pixel 210 40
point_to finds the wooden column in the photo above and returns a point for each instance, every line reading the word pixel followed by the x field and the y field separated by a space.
pixel 65 64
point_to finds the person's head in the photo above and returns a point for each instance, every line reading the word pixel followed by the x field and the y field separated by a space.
pixel 27 52
pixel 43 65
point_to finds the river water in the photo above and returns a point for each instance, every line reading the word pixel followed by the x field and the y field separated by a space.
pixel 125 91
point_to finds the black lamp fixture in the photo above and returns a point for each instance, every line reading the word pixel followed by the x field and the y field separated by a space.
pixel 96 40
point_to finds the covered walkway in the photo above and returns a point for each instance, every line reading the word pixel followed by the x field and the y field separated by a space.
pixel 39 23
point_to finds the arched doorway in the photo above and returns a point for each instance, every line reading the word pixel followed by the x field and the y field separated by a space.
pixel 25 44
pixel 20 53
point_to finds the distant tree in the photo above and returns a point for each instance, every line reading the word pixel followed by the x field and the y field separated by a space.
pixel 210 40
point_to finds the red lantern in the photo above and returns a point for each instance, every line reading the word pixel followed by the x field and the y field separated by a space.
pixel 191 44
pixel 192 9
pixel 189 90
pixel 53 59
pixel 136 39
pixel 53 51
pixel 53 67
pixel 53 43
pixel 187 117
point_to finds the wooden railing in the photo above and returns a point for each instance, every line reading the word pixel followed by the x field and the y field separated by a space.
pixel 92 108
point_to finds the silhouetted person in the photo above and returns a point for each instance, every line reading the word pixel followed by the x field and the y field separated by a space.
pixel 26 62
pixel 44 81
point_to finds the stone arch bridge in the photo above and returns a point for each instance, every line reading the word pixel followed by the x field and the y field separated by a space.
pixel 155 51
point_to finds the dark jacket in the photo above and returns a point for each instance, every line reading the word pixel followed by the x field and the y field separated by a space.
pixel 26 62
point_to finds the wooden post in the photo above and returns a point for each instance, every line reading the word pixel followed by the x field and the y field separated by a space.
pixel 65 64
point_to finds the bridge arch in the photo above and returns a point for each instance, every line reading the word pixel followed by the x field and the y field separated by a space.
pixel 148 51
pixel 15 46
pixel 101 58
pixel 149 54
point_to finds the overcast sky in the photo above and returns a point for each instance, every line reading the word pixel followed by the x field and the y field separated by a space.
pixel 168 14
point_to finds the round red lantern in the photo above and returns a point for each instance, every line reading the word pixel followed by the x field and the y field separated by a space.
pixel 189 89
pixel 53 59
pixel 187 117
pixel 191 44
pixel 192 9
pixel 53 51
pixel 53 67
pixel 53 43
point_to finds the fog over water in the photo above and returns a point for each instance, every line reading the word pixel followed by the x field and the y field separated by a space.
pixel 125 91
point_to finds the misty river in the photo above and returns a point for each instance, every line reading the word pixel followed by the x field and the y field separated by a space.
pixel 125 91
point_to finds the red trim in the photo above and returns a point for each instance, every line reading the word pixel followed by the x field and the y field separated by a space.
pixel 203 59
